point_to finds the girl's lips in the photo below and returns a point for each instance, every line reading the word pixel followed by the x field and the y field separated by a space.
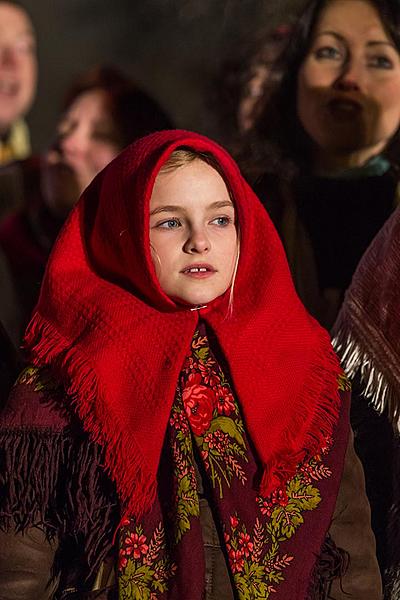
pixel 199 271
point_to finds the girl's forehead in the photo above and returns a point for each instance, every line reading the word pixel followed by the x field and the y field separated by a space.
pixel 195 180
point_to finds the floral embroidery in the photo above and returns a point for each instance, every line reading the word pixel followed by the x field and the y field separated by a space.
pixel 206 415
pixel 144 572
pixel 213 416
pixel 198 401
pixel 254 556
pixel 42 379
pixel 344 383
pixel 186 498
pixel 254 571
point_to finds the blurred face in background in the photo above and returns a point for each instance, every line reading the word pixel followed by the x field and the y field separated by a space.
pixel 348 94
pixel 251 102
pixel 87 142
pixel 18 66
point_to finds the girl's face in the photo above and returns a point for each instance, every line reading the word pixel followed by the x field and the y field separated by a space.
pixel 348 89
pixel 192 233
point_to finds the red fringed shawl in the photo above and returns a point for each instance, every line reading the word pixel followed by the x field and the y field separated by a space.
pixel 119 343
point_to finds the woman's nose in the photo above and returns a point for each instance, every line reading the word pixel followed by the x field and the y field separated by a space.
pixel 350 78
pixel 73 143
pixel 8 57
pixel 197 242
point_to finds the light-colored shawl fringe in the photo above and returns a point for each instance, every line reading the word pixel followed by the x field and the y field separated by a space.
pixel 380 392
pixel 392 588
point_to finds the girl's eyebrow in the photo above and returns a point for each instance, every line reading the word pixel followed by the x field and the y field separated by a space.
pixel 173 208
pixel 167 208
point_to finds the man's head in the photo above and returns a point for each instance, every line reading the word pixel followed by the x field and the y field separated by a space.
pixel 18 66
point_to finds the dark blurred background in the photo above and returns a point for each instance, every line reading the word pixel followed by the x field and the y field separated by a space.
pixel 173 48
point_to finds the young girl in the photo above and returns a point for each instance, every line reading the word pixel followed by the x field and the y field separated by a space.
pixel 183 410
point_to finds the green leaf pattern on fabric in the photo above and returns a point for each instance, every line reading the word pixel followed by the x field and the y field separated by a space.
pixel 206 413
pixel 144 572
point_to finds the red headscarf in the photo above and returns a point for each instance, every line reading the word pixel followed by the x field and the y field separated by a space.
pixel 118 342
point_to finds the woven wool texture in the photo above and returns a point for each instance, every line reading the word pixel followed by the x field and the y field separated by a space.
pixel 367 330
pixel 118 342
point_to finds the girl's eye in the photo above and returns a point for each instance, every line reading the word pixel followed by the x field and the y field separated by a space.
pixel 221 221
pixel 170 224
pixel 328 53
pixel 380 62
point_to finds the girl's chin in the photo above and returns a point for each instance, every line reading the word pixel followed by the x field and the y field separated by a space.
pixel 195 301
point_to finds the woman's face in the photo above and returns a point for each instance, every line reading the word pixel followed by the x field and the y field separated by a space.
pixel 348 89
pixel 87 136
pixel 192 233
pixel 87 142
pixel 251 102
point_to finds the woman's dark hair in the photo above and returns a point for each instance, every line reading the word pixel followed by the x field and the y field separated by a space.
pixel 229 86
pixel 278 140
pixel 133 111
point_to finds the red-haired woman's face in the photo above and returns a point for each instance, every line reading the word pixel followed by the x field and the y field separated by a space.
pixel 87 136
pixel 348 95
pixel 86 144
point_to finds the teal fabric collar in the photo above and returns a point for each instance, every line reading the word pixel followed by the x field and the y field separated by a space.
pixel 376 166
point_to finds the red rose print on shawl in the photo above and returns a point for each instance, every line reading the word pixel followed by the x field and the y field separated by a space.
pixel 198 401
pixel 225 402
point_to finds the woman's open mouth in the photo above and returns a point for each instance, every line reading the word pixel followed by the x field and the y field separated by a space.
pixel 344 107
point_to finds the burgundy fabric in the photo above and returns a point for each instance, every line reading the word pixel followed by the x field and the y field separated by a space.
pixel 52 476
pixel 119 343
pixel 367 330
pixel 168 542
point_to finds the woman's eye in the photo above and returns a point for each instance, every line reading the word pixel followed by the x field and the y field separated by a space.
pixel 380 62
pixel 221 221
pixel 169 224
pixel 63 129
pixel 25 45
pixel 105 135
pixel 328 52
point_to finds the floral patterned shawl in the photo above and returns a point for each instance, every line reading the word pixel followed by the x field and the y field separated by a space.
pixel 270 544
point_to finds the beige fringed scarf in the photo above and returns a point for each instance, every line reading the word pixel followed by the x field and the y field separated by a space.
pixel 367 331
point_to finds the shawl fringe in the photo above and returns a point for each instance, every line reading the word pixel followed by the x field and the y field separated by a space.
pixel 322 379
pixel 392 572
pixel 392 583
pixel 135 487
pixel 137 492
pixel 375 385
pixel 332 563
pixel 54 481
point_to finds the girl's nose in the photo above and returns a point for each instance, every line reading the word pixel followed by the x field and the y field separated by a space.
pixel 197 243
